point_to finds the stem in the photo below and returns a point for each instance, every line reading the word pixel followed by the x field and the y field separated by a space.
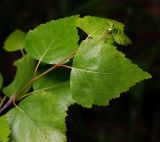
pixel 13 98
pixel 69 67
pixel 2 101
pixel 8 103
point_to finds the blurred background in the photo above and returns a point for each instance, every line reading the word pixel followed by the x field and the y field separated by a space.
pixel 135 116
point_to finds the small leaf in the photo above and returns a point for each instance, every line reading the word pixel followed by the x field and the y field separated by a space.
pixel 1 80
pixel 121 38
pixel 96 26
pixel 4 129
pixel 15 41
pixel 25 69
pixel 101 73
pixel 53 41
pixel 41 116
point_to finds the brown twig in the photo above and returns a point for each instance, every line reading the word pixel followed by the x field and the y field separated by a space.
pixel 13 98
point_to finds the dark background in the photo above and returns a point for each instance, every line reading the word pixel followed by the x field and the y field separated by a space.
pixel 135 116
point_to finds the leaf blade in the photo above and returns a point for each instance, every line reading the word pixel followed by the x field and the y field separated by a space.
pixel 48 124
pixel 98 26
pixel 104 28
pixel 15 41
pixel 106 72
pixel 53 41
pixel 4 129
pixel 25 69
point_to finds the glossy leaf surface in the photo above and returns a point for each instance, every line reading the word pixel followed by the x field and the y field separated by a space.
pixel 4 129
pixel 41 117
pixel 53 41
pixel 25 68
pixel 101 73
pixel 15 41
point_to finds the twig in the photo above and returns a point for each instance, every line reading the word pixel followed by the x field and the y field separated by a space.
pixel 2 101
pixel 13 98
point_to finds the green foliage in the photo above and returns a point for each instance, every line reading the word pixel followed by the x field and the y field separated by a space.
pixel 106 72
pixel 120 37
pixel 41 116
pixel 15 41
pixel 105 28
pixel 4 129
pixel 25 68
pixel 1 80
pixel 53 41
pixel 99 73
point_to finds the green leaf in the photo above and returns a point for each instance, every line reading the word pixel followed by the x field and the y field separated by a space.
pixel 15 41
pixel 41 116
pixel 25 69
pixel 101 73
pixel 96 26
pixel 120 37
pixel 53 41
pixel 1 80
pixel 4 129
pixel 104 28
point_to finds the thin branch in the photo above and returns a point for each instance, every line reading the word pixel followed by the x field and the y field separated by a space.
pixel 2 101
pixel 8 103
pixel 13 98
pixel 36 69
pixel 69 67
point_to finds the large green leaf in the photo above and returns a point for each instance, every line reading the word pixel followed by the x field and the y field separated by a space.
pixel 4 129
pixel 101 73
pixel 25 69
pixel 1 81
pixel 53 41
pixel 97 27
pixel 41 116
pixel 15 41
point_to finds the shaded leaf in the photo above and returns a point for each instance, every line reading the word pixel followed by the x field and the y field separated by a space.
pixel 52 79
pixel 53 41
pixel 4 129
pixel 41 116
pixel 101 73
pixel 25 68
pixel 1 80
pixel 15 41
pixel 120 37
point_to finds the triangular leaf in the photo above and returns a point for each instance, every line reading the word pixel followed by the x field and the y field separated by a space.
pixel 1 80
pixel 41 116
pixel 15 41
pixel 53 41
pixel 4 129
pixel 25 68
pixel 101 73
